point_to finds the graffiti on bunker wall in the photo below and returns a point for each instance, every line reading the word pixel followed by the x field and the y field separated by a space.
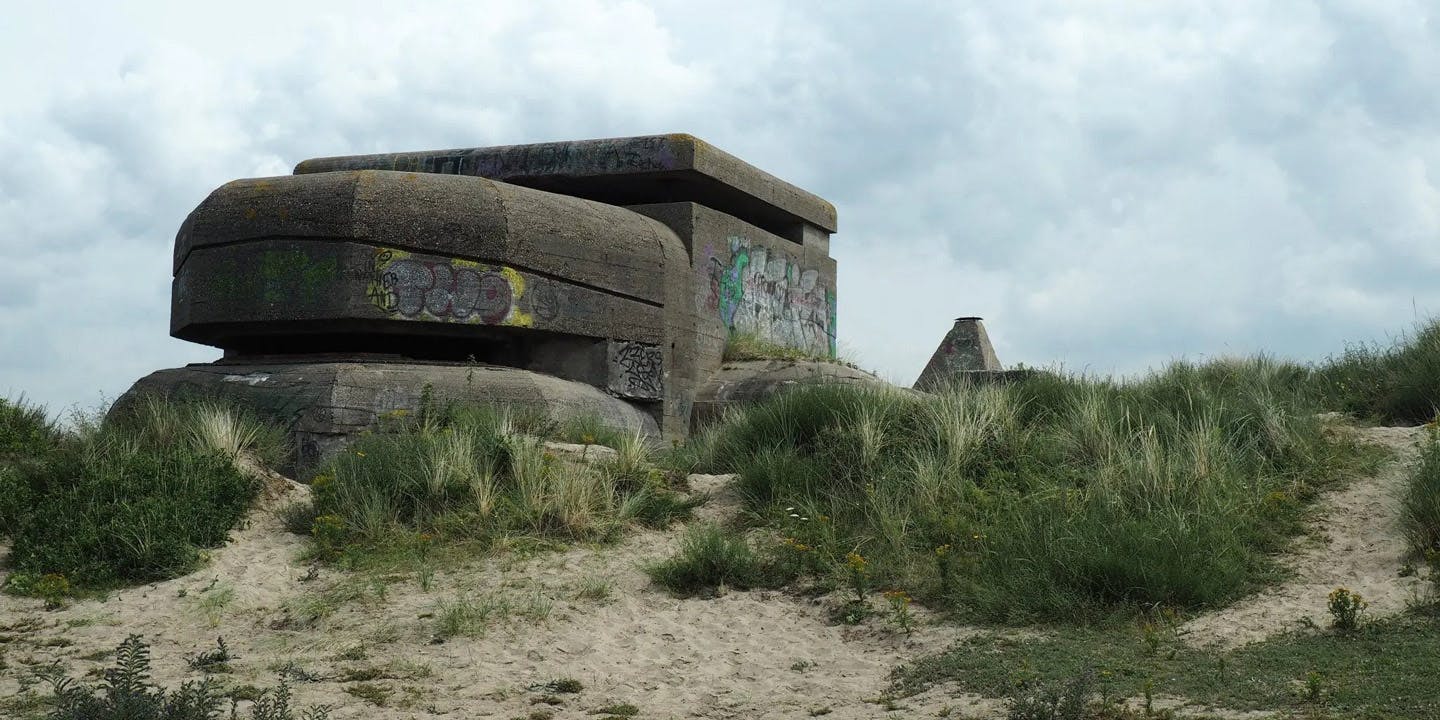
pixel 451 290
pixel 764 292
pixel 636 370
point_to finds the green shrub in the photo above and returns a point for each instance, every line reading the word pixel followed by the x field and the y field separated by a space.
pixel 133 498
pixel 1396 384
pixel 710 557
pixel 1420 503
pixel 130 513
pixel 25 431
pixel 15 498
pixel 1051 497
pixel 128 694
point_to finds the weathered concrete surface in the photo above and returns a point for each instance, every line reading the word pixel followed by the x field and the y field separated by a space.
pixel 324 405
pixel 430 258
pixel 738 383
pixel 749 281
pixel 381 250
pixel 965 349
pixel 624 171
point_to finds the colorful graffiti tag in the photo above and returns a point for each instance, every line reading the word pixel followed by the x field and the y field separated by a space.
pixel 764 292
pixel 447 289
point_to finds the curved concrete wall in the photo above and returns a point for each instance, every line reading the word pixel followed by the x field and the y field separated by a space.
pixel 375 251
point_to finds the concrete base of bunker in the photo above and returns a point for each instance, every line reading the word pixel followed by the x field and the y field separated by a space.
pixel 325 405
pixel 741 382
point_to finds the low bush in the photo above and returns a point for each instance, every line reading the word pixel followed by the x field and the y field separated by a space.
pixel 1395 384
pixel 25 430
pixel 132 498
pixel 26 436
pixel 1038 700
pixel 1053 497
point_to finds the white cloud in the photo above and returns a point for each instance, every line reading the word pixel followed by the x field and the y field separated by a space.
pixel 1109 184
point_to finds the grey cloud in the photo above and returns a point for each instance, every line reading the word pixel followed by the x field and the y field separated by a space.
pixel 1111 185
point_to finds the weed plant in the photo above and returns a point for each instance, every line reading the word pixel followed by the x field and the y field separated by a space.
pixel 1051 498
pixel 1395 384
pixel 134 497
pixel 127 693
pixel 1052 700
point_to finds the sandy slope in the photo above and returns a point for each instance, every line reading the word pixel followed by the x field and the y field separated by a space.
pixel 1357 545
pixel 744 654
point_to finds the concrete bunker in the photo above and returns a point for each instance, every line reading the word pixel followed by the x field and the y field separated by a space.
pixel 598 276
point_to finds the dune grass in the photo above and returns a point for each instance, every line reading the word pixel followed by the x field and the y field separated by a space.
pixel 131 498
pixel 1420 504
pixel 468 473
pixel 1051 498
pixel 1395 384
pixel 711 557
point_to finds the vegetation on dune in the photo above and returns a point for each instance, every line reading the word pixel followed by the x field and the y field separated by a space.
pixel 1048 499
pixel 711 557
pixel 132 498
pixel 1395 384
pixel 1052 499
pixel 1420 505
pixel 468 473
pixel 127 693
pixel 1383 669
pixel 25 430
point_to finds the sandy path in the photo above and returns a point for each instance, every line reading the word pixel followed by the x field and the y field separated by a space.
pixel 1358 546
pixel 743 654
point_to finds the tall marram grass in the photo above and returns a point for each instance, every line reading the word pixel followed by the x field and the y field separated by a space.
pixel 1050 498
pixel 1420 503
pixel 134 497
pixel 468 473
pixel 1399 383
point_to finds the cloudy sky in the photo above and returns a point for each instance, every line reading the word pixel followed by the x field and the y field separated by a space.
pixel 1111 184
